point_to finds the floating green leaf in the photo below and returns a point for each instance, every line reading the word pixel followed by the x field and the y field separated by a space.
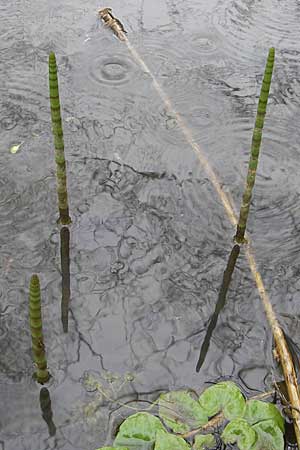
pixel 269 435
pixel 166 441
pixel 204 442
pixel 112 448
pixel 133 443
pixel 181 412
pixel 241 432
pixel 257 411
pixel 224 396
pixel 142 427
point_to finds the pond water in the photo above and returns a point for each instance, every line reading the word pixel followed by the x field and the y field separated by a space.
pixel 150 238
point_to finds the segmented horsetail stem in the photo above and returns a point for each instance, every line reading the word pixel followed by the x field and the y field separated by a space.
pixel 35 318
pixel 65 274
pixel 61 175
pixel 255 147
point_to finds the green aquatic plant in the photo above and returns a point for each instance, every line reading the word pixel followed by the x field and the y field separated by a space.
pixel 61 175
pixel 254 425
pixel 255 147
pixel 35 318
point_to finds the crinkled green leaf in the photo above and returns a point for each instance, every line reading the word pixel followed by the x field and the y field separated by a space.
pixel 166 441
pixel 181 412
pixel 204 442
pixel 142 426
pixel 112 448
pixel 224 396
pixel 241 432
pixel 133 443
pixel 257 411
pixel 270 436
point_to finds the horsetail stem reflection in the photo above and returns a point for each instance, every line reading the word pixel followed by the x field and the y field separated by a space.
pixel 65 273
pixel 35 319
pixel 255 147
pixel 220 304
pixel 61 175
pixel 47 414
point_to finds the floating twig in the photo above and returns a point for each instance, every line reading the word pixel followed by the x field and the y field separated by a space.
pixel 35 318
pixel 113 23
pixel 57 130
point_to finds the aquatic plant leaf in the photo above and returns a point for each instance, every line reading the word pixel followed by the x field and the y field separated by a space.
pixel 112 448
pixel 224 396
pixel 257 411
pixel 167 441
pixel 132 443
pixel 141 426
pixel 270 436
pixel 241 432
pixel 204 442
pixel 181 412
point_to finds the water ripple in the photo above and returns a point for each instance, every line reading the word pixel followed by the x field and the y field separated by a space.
pixel 111 70
pixel 248 26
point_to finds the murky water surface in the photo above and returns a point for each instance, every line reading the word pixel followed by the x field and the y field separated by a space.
pixel 150 238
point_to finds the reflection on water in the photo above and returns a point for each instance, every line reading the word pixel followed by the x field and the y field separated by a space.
pixel 65 275
pixel 47 414
pixel 149 238
pixel 220 304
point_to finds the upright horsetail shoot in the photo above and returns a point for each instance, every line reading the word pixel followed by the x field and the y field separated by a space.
pixel 57 130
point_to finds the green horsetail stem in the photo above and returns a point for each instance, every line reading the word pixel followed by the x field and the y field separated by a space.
pixel 57 131
pixel 255 147
pixel 35 318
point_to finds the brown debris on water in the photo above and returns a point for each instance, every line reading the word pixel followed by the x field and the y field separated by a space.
pixel 113 23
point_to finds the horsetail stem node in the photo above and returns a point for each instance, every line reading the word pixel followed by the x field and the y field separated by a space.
pixel 61 175
pixel 255 147
pixel 35 319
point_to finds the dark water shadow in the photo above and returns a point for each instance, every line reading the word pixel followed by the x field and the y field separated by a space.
pixel 220 304
pixel 47 414
pixel 65 274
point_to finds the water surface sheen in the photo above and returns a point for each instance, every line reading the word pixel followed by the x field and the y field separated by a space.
pixel 150 239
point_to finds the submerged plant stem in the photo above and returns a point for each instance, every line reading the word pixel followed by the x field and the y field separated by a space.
pixel 255 147
pixel 61 175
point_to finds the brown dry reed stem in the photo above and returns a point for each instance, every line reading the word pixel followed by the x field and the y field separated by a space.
pixel 61 175
pixel 35 319
pixel 255 147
